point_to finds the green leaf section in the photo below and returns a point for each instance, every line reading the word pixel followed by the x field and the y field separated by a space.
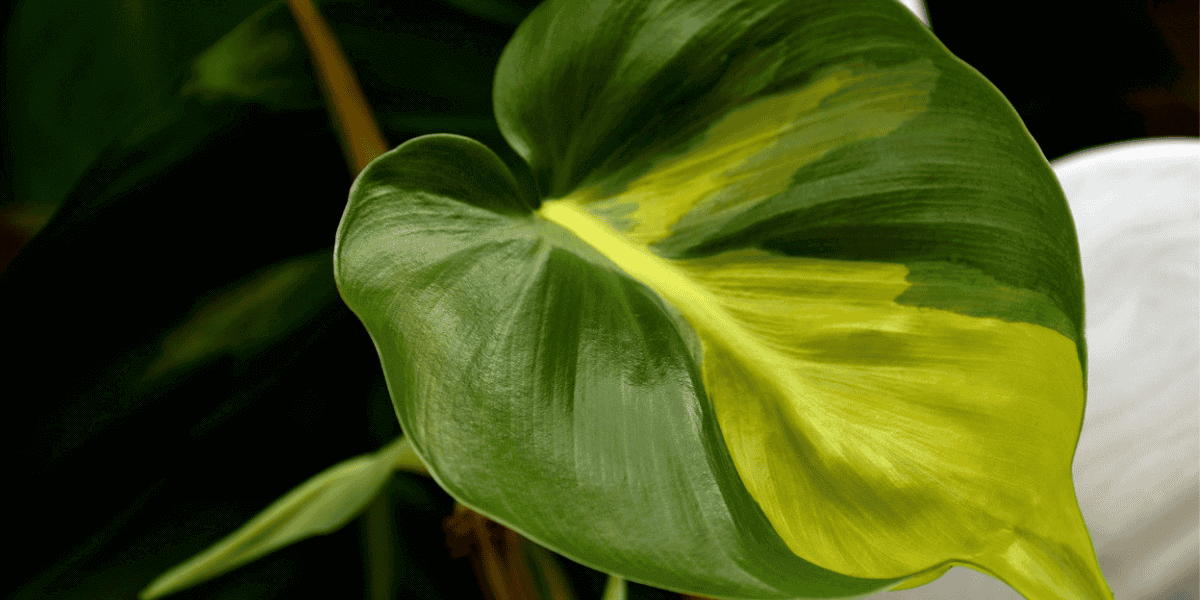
pixel 799 314
pixel 323 504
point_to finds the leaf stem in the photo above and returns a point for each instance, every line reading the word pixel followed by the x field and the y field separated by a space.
pixel 357 130
pixel 507 566
pixel 381 555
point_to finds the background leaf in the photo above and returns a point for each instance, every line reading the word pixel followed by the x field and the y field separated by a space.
pixel 157 237
pixel 319 506
pixel 95 74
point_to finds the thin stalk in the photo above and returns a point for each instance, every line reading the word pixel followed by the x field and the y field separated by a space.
pixel 500 556
pixel 381 554
pixel 355 124
pixel 362 141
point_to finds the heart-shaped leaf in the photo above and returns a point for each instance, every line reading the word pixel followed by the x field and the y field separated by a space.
pixel 799 315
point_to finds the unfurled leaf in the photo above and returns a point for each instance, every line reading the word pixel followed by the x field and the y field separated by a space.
pixel 319 506
pixel 798 314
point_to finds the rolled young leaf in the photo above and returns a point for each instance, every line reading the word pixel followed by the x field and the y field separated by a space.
pixel 799 316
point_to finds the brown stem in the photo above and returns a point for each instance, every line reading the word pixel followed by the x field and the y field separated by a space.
pixel 507 566
pixel 357 130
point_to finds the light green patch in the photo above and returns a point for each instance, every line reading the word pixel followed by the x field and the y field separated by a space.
pixel 751 154
pixel 880 439
pixel 235 66
pixel 859 423
pixel 323 504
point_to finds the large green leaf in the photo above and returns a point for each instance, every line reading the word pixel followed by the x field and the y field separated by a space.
pixel 583 414
pixel 798 315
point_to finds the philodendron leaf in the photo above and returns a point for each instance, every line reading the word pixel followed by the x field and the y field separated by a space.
pixel 319 506
pixel 800 313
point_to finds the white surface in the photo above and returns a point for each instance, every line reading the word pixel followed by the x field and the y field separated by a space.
pixel 918 8
pixel 1137 468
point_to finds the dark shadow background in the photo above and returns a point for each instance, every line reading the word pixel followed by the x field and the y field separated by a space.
pixel 113 479
pixel 1108 72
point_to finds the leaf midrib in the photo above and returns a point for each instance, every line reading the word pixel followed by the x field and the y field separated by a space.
pixel 702 309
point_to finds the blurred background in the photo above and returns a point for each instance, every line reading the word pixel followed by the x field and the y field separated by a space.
pixel 176 354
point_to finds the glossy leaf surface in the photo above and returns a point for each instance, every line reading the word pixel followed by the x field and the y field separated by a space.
pixel 799 315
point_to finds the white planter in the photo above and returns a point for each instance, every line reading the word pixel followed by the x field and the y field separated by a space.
pixel 1137 468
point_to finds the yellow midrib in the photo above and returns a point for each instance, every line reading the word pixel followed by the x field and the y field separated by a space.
pixel 702 309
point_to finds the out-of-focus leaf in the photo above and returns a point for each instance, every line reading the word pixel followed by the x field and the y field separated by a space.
pixel 260 63
pixel 321 505
pixel 250 316
pixel 81 76
pixel 231 168
pixel 241 321
pixel 500 11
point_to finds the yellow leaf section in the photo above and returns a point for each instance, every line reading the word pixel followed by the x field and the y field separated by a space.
pixel 882 440
pixel 751 153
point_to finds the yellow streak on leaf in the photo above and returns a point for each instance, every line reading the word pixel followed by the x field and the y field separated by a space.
pixel 752 153
pixel 882 440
